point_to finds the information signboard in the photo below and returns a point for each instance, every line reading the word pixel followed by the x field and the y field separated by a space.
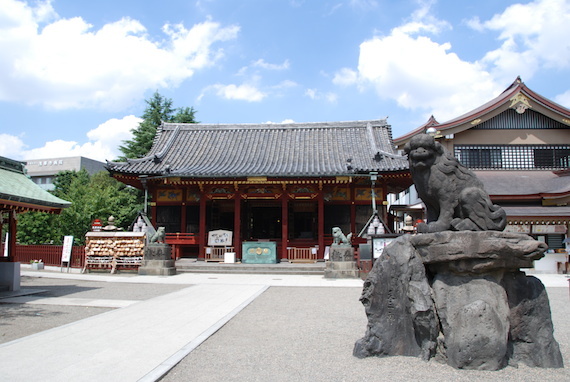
pixel 66 251
pixel 220 238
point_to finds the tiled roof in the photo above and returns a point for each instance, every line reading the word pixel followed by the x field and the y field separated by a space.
pixel 536 211
pixel 524 182
pixel 293 149
pixel 17 188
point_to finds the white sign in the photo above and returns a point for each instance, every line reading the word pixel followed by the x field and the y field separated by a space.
pixel 379 244
pixel 6 243
pixel 220 238
pixel 518 228
pixel 543 228
pixel 67 247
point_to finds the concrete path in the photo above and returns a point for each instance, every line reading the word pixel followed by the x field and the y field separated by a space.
pixel 141 341
pixel 69 301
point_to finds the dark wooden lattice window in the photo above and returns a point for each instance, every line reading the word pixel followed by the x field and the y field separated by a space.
pixel 514 157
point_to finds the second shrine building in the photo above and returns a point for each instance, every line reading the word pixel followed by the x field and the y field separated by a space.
pixel 287 184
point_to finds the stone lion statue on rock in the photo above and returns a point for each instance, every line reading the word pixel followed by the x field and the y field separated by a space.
pixel 454 197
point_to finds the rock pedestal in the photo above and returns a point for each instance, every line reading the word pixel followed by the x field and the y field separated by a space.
pixel 157 261
pixel 341 263
pixel 459 297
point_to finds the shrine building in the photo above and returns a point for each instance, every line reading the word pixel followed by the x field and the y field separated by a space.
pixel 287 184
pixel 518 145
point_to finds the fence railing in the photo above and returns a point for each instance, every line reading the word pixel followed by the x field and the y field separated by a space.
pixel 216 253
pixel 49 254
pixel 302 255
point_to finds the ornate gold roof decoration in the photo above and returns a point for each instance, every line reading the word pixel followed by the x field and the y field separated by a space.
pixel 520 103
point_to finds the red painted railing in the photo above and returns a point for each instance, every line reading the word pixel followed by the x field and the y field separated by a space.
pixel 181 238
pixel 49 254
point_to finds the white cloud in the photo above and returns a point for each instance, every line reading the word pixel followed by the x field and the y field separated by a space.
pixel 103 144
pixel 286 84
pixel 282 122
pixel 243 92
pixel 534 37
pixel 419 73
pixel 261 63
pixel 112 133
pixel 563 99
pixel 345 77
pixel 11 146
pixel 315 95
pixel 69 64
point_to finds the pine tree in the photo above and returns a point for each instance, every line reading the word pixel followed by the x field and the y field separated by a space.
pixel 159 109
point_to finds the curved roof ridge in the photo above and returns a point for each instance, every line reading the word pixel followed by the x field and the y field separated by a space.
pixel 286 125
pixel 150 156
pixel 518 86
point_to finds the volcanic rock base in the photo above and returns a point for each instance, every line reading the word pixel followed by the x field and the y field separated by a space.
pixel 459 297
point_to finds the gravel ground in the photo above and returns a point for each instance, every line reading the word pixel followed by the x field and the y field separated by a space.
pixel 307 334
pixel 20 320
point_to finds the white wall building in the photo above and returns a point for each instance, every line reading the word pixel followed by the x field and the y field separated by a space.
pixel 43 171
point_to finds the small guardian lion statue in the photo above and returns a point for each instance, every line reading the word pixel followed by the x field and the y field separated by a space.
pixel 158 236
pixel 454 197
pixel 340 238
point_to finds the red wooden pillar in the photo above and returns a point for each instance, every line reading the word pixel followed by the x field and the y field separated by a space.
pixel 202 234
pixel 237 224
pixel 284 225
pixel 321 223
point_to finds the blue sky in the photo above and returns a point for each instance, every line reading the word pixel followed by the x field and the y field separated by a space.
pixel 75 74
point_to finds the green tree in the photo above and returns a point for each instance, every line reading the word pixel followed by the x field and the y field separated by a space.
pixel 185 115
pixel 158 109
pixel 37 228
pixel 62 182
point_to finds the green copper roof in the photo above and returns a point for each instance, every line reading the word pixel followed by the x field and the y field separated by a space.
pixel 16 187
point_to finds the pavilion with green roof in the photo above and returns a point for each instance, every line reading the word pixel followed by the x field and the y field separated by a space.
pixel 19 194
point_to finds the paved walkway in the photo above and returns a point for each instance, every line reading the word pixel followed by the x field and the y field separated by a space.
pixel 142 340
pixel 138 342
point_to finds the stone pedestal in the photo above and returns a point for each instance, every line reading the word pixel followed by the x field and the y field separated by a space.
pixel 461 298
pixel 157 261
pixel 10 276
pixel 341 264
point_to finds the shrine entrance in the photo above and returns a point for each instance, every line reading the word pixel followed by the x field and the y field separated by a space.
pixel 261 220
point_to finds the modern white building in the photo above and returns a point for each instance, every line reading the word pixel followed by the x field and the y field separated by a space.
pixel 43 171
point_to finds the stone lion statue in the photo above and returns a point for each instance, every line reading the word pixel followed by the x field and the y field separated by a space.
pixel 158 236
pixel 340 238
pixel 454 197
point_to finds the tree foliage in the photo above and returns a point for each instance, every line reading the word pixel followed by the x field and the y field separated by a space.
pixel 93 197
pixel 159 109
